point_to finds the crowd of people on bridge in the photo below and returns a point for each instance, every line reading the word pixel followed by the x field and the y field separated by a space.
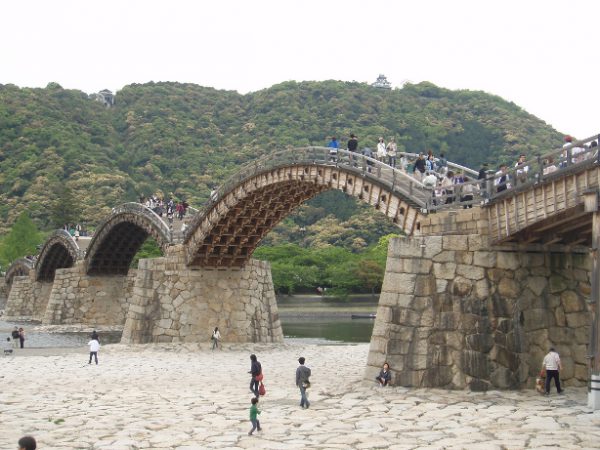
pixel 572 153
pixel 168 207
pixel 449 186
pixel 77 230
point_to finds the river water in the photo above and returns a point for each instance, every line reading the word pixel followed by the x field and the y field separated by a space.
pixel 306 319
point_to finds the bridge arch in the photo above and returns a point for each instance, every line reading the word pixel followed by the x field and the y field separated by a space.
pixel 59 251
pixel 120 236
pixel 248 205
pixel 19 268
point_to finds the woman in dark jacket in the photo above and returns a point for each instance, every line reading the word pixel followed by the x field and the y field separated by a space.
pixel 255 371
pixel 384 375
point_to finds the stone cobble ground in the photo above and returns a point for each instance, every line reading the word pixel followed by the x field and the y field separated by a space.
pixel 186 397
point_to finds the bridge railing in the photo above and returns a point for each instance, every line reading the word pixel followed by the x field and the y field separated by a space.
pixel 67 235
pixel 397 180
pixel 143 210
pixel 554 164
pixel 456 168
pixel 15 266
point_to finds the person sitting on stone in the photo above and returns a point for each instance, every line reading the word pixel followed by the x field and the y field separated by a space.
pixel 385 376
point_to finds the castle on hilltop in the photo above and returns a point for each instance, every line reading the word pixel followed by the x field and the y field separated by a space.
pixel 104 96
pixel 382 82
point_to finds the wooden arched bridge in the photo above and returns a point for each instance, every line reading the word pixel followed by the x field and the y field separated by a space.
pixel 486 278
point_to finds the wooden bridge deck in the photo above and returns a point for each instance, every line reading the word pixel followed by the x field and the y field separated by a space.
pixel 548 212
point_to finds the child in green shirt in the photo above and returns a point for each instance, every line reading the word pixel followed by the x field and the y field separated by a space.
pixel 254 412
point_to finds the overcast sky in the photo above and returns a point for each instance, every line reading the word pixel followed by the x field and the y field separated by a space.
pixel 542 55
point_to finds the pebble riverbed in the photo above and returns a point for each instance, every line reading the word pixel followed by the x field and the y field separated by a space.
pixel 186 396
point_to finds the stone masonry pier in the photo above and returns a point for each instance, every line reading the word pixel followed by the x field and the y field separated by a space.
pixel 174 303
pixel 77 297
pixel 27 298
pixel 455 312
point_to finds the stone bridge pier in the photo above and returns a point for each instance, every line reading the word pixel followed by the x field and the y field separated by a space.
pixel 172 302
pixel 27 298
pixel 79 298
pixel 456 312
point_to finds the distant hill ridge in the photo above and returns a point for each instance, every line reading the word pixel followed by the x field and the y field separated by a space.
pixel 181 139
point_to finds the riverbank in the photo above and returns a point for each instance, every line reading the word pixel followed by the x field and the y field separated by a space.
pixel 187 397
pixel 317 305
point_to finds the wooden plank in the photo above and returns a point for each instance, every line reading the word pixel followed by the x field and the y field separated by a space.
pixel 525 209
pixel 535 206
pixel 388 203
pixel 506 219
pixel 555 201
pixel 498 220
pixel 545 200
pixel 405 221
pixel 516 212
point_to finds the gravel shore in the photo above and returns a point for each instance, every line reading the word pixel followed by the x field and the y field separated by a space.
pixel 189 397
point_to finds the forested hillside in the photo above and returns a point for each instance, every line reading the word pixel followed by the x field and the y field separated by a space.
pixel 59 147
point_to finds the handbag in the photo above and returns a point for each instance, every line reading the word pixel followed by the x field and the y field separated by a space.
pixel 261 389
pixel 306 384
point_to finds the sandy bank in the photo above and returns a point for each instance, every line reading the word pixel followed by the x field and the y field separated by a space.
pixel 186 397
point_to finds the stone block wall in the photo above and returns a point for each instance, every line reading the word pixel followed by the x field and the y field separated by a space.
pixel 172 303
pixel 78 298
pixel 3 292
pixel 461 222
pixel 454 313
pixel 27 299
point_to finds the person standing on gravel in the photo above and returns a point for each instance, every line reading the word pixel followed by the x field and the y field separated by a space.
pixel 15 337
pixel 22 337
pixel 255 371
pixel 94 347
pixel 216 338
pixel 302 381
pixel 553 366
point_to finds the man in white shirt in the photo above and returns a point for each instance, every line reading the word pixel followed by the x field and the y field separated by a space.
pixel 521 169
pixel 94 348
pixel 552 365
pixel 501 179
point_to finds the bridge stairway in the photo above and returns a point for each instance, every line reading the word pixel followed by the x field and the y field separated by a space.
pixel 177 233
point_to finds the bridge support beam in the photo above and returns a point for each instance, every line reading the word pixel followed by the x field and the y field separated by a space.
pixel 455 313
pixel 591 205
pixel 27 299
pixel 78 298
pixel 173 303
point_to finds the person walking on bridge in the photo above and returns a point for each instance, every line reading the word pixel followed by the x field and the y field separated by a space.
pixel 391 149
pixel 352 146
pixel 333 149
pixel 419 167
pixel 381 150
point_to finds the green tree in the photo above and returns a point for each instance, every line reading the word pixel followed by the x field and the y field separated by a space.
pixel 22 240
pixel 149 249
pixel 370 273
pixel 66 208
